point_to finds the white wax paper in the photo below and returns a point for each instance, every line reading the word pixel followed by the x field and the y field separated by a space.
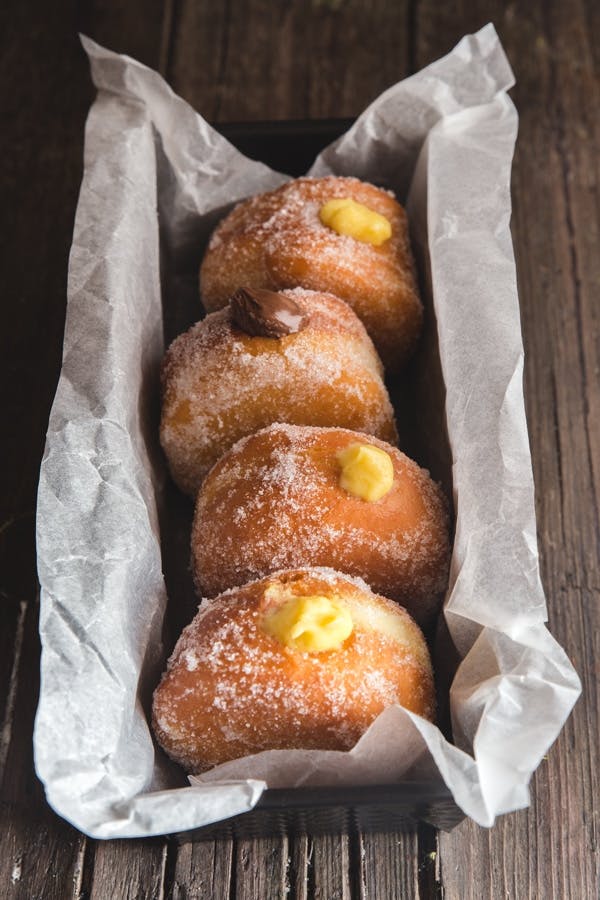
pixel 443 138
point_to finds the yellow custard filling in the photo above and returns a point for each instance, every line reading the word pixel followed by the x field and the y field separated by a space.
pixel 348 217
pixel 310 624
pixel 366 471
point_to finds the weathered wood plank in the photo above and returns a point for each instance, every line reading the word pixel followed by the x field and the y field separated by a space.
pixel 137 29
pixel 261 868
pixel 201 870
pixel 263 60
pixel 300 860
pixel 389 866
pixel 332 871
pixel 12 625
pixel 43 114
pixel 129 870
pixel 39 853
pixel 551 850
pixel 46 95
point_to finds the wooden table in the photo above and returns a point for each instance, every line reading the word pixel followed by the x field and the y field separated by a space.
pixel 263 59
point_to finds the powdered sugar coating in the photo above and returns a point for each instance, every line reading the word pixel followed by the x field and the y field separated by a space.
pixel 230 689
pixel 220 383
pixel 277 240
pixel 274 502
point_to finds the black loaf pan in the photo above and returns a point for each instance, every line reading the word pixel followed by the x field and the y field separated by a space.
pixel 418 397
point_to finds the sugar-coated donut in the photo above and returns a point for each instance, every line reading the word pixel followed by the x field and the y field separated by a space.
pixel 279 240
pixel 302 659
pixel 283 498
pixel 294 356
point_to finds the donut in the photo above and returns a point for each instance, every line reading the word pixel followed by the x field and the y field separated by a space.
pixel 291 356
pixel 319 233
pixel 302 659
pixel 292 496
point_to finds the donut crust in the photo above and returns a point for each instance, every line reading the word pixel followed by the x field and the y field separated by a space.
pixel 231 690
pixel 276 240
pixel 220 384
pixel 274 501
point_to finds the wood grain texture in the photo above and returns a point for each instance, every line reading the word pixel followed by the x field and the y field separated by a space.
pixel 199 870
pixel 128 870
pixel 333 864
pixel 45 98
pixel 389 866
pixel 41 143
pixel 550 850
pixel 276 59
pixel 300 861
pixel 39 853
pixel 12 625
pixel 253 59
pixel 261 868
pixel 138 29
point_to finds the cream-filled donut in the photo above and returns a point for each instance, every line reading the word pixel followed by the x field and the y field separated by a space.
pixel 301 659
pixel 334 234
pixel 292 496
pixel 291 356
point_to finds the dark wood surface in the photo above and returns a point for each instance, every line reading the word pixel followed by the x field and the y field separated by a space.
pixel 269 59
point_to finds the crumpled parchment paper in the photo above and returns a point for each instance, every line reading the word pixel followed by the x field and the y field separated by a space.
pixel 443 139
